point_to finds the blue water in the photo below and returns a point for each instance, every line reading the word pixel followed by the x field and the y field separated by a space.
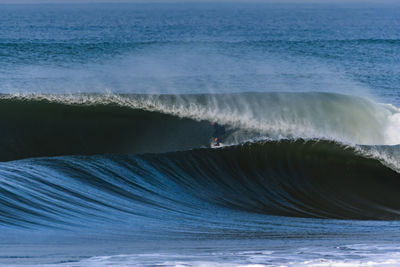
pixel 81 81
pixel 200 47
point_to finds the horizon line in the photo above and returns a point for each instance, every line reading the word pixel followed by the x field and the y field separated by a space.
pixel 52 2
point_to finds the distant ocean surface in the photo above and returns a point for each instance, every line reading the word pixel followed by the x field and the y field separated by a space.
pixel 106 112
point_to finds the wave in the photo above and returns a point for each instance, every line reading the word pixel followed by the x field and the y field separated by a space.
pixel 87 124
pixel 314 155
pixel 317 179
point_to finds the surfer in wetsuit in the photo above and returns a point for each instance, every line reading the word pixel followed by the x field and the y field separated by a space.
pixel 219 131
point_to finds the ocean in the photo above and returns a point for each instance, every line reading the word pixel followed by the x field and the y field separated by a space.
pixel 106 115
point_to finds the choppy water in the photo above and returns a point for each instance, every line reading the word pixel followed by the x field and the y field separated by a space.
pixel 106 114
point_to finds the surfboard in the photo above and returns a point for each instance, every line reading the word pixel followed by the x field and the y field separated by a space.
pixel 212 145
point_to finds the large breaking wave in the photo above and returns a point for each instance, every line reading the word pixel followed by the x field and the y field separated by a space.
pixel 313 155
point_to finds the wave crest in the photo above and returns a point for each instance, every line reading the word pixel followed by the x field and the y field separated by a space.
pixel 48 125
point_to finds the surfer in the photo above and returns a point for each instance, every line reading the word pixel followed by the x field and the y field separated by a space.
pixel 219 131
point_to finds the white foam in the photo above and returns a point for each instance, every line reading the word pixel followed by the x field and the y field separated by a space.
pixel 352 255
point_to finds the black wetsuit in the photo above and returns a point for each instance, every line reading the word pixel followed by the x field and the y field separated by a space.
pixel 219 131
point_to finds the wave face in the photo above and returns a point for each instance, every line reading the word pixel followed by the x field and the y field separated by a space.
pixel 318 179
pixel 50 125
